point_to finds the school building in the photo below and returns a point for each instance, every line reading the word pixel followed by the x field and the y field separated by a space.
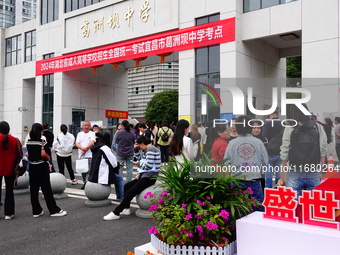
pixel 80 59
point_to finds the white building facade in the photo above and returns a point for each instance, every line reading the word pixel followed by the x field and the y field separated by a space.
pixel 66 66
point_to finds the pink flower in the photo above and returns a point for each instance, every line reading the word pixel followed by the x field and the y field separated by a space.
pixel 184 205
pixel 224 214
pixel 148 194
pixel 161 202
pixel 250 191
pixel 200 229
pixel 200 203
pixel 198 216
pixel 153 230
pixel 153 207
pixel 208 198
pixel 190 235
pixel 211 225
pixel 188 216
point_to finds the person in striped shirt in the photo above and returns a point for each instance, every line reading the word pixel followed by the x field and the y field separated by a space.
pixel 149 162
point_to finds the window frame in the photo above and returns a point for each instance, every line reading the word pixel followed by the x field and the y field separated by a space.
pixel 31 47
pixel 16 51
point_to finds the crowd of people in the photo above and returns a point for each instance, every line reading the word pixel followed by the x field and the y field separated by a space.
pixel 247 145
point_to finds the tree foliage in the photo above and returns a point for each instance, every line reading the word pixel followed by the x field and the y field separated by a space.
pixel 293 73
pixel 293 67
pixel 163 106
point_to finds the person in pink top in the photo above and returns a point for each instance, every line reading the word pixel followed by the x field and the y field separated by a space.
pixel 222 134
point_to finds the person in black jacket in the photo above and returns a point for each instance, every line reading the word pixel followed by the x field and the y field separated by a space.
pixel 104 163
pixel 272 130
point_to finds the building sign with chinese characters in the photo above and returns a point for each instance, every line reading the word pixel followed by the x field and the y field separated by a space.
pixel 318 207
pixel 117 21
pixel 182 39
pixel 116 114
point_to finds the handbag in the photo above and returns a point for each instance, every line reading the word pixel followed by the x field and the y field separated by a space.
pixel 44 154
pixel 82 165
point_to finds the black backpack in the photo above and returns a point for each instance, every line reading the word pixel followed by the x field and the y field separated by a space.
pixel 304 147
pixel 275 143
pixel 165 137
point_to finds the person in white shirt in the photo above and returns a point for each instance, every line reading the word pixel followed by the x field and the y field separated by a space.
pixel 63 147
pixel 181 143
pixel 85 140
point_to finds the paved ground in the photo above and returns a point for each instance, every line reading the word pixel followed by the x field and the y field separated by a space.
pixel 82 231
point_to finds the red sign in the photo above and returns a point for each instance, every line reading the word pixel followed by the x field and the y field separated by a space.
pixel 116 114
pixel 280 204
pixel 217 32
pixel 317 210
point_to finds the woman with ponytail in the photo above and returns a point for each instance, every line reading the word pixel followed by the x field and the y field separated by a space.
pixel 39 174
pixel 63 147
pixel 9 157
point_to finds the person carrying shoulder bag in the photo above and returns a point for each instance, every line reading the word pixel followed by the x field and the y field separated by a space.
pixel 39 174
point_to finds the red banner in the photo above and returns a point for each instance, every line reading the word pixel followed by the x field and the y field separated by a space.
pixel 217 32
pixel 116 114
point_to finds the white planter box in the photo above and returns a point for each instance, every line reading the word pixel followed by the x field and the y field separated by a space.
pixel 256 235
pixel 165 249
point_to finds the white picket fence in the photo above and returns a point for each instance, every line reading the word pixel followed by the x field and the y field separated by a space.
pixel 167 249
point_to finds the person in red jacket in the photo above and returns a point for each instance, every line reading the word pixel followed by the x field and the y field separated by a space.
pixel 9 156
pixel 222 134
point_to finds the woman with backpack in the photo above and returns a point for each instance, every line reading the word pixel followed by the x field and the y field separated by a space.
pixel 164 136
pixel 63 147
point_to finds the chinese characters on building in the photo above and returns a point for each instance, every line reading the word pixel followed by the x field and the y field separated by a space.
pixel 116 114
pixel 317 210
pixel 113 20
pixel 182 39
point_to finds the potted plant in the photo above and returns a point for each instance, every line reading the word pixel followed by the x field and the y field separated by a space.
pixel 197 211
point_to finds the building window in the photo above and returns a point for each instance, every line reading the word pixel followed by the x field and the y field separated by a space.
pixel 253 5
pixel 49 11
pixel 71 5
pixel 207 71
pixel 13 51
pixel 151 88
pixel 30 43
pixel 135 91
pixel 112 122
pixel 48 94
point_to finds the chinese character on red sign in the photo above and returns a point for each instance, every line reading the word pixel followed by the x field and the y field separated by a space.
pixel 116 114
pixel 280 204
pixel 319 211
